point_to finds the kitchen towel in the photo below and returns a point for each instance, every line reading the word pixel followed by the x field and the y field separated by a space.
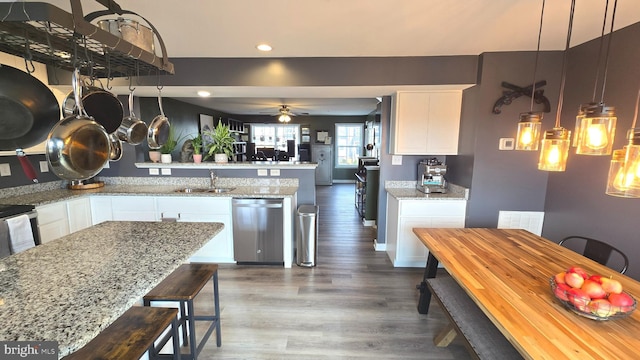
pixel 20 233
pixel 4 239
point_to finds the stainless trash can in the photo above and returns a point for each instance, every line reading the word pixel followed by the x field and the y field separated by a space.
pixel 307 235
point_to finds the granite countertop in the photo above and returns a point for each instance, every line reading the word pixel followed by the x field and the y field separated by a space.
pixel 231 165
pixel 406 190
pixel 70 289
pixel 42 195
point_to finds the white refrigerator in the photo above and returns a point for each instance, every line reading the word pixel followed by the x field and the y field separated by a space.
pixel 321 154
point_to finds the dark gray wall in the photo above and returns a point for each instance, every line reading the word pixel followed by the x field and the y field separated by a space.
pixel 575 200
pixel 499 179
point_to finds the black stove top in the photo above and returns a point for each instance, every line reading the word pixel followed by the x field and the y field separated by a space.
pixel 11 210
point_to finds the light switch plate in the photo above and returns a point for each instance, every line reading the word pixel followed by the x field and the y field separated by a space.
pixel 154 171
pixel 5 170
pixel 165 171
pixel 506 144
pixel 396 160
pixel 275 172
pixel 44 166
pixel 262 172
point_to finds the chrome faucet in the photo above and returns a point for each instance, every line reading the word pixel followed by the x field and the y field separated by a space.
pixel 213 178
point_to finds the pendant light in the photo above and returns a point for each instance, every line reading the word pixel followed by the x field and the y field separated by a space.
pixel 528 136
pixel 598 126
pixel 624 171
pixel 555 145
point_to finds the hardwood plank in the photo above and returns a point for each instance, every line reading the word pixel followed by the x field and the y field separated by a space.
pixel 353 304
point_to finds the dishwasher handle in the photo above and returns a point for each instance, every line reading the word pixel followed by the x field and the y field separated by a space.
pixel 257 203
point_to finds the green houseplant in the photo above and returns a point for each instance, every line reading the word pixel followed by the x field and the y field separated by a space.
pixel 221 143
pixel 167 148
pixel 196 143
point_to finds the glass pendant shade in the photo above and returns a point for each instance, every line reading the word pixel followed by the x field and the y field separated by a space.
pixel 632 160
pixel 555 149
pixel 284 118
pixel 528 136
pixel 597 131
pixel 618 181
pixel 582 112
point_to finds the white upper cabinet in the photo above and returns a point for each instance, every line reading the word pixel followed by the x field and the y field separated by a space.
pixel 425 122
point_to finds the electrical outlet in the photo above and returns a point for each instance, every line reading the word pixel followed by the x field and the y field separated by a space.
pixel 44 166
pixel 5 170
pixel 506 144
pixel 165 171
pixel 262 172
pixel 396 160
pixel 154 171
pixel 275 172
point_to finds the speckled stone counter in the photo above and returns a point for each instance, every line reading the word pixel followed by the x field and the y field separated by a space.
pixel 403 190
pixel 268 188
pixel 72 288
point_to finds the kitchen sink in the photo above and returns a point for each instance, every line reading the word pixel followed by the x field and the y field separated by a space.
pixel 203 190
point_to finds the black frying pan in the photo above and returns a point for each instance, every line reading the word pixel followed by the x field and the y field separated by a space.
pixel 28 111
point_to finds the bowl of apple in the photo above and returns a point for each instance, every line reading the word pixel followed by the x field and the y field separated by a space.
pixel 593 296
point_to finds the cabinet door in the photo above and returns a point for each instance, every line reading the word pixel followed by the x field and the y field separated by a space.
pixel 53 222
pixel 425 123
pixel 79 212
pixel 133 208
pixel 101 209
pixel 411 251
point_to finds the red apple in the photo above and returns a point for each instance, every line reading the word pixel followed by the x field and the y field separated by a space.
pixel 578 270
pixel 611 286
pixel 601 307
pixel 596 278
pixel 593 289
pixel 559 278
pixel 561 291
pixel 622 302
pixel 579 299
pixel 573 279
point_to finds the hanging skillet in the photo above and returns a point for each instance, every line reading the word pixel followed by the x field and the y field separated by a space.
pixel 132 129
pixel 103 106
pixel 28 110
pixel 77 147
pixel 159 127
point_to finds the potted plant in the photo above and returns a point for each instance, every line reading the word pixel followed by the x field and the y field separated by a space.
pixel 196 143
pixel 221 143
pixel 167 148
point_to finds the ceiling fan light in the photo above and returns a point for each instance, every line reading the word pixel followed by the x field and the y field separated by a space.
pixel 597 131
pixel 284 118
pixel 528 136
pixel 554 150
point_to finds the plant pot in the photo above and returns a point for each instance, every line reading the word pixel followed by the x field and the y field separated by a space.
pixel 197 158
pixel 221 158
pixel 165 158
pixel 154 156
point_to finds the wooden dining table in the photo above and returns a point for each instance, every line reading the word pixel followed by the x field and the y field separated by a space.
pixel 507 272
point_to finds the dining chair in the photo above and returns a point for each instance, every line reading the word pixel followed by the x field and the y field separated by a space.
pixel 595 250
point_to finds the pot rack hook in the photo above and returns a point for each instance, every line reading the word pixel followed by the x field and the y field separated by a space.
pixel 159 86
pixel 131 88
pixel 28 57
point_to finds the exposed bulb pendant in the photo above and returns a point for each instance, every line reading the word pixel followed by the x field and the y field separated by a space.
pixel 528 136
pixel 555 149
pixel 555 145
pixel 529 127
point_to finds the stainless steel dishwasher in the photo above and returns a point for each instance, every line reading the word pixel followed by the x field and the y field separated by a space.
pixel 257 231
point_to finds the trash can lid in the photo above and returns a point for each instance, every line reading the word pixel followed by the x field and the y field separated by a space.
pixel 307 210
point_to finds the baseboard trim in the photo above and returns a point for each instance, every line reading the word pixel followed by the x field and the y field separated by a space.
pixel 366 222
pixel 379 247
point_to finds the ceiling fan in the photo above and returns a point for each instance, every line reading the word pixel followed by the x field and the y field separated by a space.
pixel 284 114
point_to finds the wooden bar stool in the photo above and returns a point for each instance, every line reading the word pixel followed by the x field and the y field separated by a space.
pixel 182 286
pixel 132 335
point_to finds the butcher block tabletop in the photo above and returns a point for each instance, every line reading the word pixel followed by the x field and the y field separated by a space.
pixel 506 272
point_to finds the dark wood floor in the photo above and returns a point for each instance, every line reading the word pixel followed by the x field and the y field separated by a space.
pixel 352 305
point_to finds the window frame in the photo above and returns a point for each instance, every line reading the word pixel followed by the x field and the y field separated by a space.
pixel 359 147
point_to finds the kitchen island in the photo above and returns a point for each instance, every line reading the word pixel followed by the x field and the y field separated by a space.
pixel 71 289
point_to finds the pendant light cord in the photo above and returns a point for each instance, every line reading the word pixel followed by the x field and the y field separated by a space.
pixel 606 61
pixel 635 115
pixel 604 26
pixel 564 63
pixel 535 66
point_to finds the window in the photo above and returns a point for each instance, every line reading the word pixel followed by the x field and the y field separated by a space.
pixel 348 144
pixel 274 136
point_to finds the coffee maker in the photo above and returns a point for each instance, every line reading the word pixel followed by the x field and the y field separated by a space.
pixel 431 176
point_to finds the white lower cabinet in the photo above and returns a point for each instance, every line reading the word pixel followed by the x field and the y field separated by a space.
pixel 79 211
pixel 202 209
pixel 63 218
pixel 403 246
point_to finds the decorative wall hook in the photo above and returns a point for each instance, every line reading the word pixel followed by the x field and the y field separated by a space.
pixel 517 91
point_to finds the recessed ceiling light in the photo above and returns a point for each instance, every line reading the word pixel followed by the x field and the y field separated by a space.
pixel 203 93
pixel 264 47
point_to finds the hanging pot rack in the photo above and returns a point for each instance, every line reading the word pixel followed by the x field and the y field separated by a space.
pixel 47 34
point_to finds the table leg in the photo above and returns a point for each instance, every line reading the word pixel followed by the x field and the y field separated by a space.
pixel 425 295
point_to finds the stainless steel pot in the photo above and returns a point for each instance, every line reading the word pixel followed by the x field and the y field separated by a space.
pixel 115 148
pixel 158 128
pixel 131 31
pixel 77 146
pixel 132 129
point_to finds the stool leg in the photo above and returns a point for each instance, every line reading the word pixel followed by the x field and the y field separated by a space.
pixel 192 329
pixel 216 301
pixel 183 322
pixel 176 339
